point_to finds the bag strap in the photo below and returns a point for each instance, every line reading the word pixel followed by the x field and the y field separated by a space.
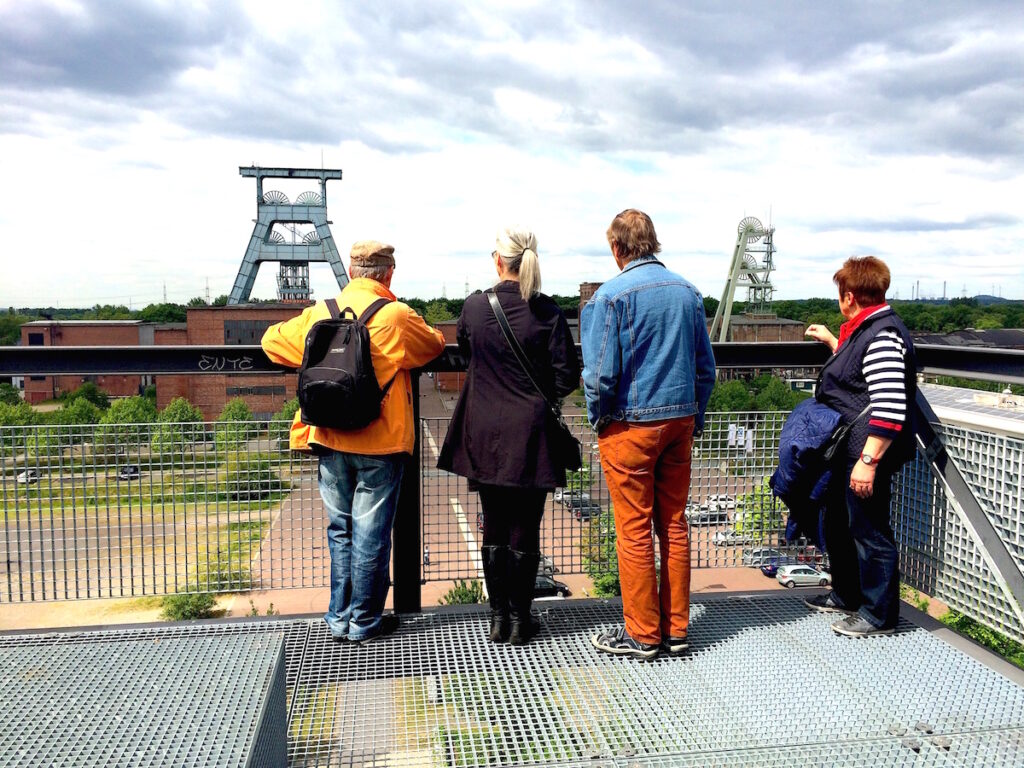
pixel 369 312
pixel 332 307
pixel 506 331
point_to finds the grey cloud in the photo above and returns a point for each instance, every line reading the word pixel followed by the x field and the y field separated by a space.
pixel 991 221
pixel 120 48
pixel 719 71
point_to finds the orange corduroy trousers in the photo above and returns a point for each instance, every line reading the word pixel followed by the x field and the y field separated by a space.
pixel 647 469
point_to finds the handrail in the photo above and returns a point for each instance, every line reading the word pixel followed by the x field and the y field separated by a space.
pixel 1004 365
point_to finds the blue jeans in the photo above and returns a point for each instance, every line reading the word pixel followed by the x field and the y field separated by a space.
pixel 360 494
pixel 862 548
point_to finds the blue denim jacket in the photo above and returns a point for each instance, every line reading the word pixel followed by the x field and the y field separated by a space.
pixel 646 351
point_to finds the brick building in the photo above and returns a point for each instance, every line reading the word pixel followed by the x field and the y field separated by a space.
pixel 91 333
pixel 233 324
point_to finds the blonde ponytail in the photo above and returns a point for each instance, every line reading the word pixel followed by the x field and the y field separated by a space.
pixel 517 248
pixel 529 274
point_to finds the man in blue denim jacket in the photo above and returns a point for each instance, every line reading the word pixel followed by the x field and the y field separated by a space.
pixel 648 371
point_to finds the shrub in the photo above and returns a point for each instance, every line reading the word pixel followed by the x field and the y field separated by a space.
pixel 599 557
pixel 253 479
pixel 183 607
pixel 464 593
pixel 9 394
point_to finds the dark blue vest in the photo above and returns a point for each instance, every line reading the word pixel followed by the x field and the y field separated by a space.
pixel 842 386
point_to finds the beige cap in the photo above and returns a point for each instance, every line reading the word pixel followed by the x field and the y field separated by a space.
pixel 370 253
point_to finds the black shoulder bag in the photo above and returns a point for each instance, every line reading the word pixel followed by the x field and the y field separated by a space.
pixel 837 440
pixel 567 447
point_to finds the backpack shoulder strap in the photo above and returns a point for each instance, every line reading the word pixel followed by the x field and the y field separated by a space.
pixel 371 310
pixel 364 318
pixel 332 307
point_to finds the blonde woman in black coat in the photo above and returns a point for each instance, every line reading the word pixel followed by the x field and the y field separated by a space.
pixel 500 436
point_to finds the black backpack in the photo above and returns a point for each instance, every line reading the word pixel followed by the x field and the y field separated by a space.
pixel 337 385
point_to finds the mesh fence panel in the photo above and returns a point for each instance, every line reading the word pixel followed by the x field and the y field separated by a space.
pixel 734 520
pixel 148 509
pixel 938 554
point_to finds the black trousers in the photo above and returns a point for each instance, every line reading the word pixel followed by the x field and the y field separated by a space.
pixel 512 516
pixel 862 548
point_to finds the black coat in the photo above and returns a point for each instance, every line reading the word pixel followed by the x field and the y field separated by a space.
pixel 500 432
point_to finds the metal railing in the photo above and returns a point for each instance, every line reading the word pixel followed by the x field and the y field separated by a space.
pixel 152 509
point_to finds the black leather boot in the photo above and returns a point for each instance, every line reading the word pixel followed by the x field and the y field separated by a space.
pixel 495 561
pixel 522 582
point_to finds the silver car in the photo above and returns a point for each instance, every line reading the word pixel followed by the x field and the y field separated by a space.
pixel 791 576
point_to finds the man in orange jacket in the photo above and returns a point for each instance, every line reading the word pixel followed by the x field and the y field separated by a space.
pixel 361 470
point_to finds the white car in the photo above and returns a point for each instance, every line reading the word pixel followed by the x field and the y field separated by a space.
pixel 732 537
pixel 28 477
pixel 791 576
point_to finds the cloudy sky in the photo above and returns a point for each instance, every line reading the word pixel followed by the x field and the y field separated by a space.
pixel 873 127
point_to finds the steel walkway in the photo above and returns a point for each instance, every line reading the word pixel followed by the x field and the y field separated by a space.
pixel 765 683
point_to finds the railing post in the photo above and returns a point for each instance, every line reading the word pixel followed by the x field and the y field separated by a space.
pixel 406 537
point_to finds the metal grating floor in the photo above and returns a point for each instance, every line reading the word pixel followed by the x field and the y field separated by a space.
pixel 765 683
pixel 165 701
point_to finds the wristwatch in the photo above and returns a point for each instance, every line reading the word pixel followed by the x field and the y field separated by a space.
pixel 868 459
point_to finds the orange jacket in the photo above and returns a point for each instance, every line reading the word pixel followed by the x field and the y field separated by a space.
pixel 400 341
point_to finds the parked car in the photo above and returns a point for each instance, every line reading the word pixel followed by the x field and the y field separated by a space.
pixel 791 576
pixel 545 586
pixel 128 472
pixel 732 537
pixel 546 566
pixel 763 555
pixel 721 501
pixel 28 476
pixel 571 498
pixel 585 510
pixel 772 566
pixel 700 516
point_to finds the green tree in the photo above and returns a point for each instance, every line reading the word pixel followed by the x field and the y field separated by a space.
pixel 777 396
pixel 730 396
pixel 233 423
pixel 180 425
pixel 10 327
pixel 710 306
pixel 9 394
pixel 19 414
pixel 196 301
pixel 221 301
pixel 162 313
pixel 88 391
pixel 437 311
pixel 122 424
pixel 287 412
pixel 81 410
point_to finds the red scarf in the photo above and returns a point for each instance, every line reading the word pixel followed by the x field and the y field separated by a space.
pixel 846 329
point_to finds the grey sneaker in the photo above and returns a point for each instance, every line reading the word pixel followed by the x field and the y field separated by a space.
pixel 617 641
pixel 674 646
pixel 389 623
pixel 857 626
pixel 826 604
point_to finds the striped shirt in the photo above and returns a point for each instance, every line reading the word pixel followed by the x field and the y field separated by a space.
pixel 884 369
